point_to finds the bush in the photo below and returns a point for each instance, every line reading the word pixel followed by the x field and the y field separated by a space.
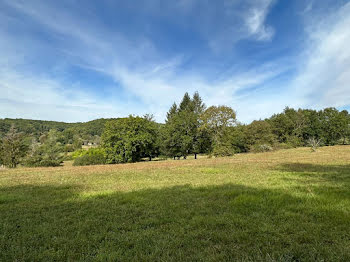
pixel 79 153
pixel 223 150
pixel 93 156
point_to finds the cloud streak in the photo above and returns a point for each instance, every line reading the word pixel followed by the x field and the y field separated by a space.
pixel 145 77
pixel 324 76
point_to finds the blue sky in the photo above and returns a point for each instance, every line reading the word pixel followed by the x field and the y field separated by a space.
pixel 78 60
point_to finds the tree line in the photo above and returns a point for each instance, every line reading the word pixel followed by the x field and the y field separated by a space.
pixel 190 128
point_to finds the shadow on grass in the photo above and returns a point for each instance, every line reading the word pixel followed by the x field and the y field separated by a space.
pixel 183 223
pixel 336 174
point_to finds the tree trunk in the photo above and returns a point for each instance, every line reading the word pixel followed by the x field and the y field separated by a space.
pixel 195 155
pixel 174 157
pixel 150 158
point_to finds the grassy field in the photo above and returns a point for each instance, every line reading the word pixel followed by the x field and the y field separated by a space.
pixel 289 205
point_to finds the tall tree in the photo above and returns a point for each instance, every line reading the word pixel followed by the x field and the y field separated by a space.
pixel 13 148
pixel 331 125
pixel 186 103
pixel 217 119
pixel 181 131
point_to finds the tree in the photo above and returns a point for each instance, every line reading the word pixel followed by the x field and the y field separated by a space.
pixel 239 138
pixel 186 103
pixel 172 111
pixel 260 132
pixel 332 125
pixel 312 127
pixel 13 148
pixel 129 139
pixel 288 126
pixel 201 137
pixel 1 153
pixel 179 133
pixel 216 119
pixel 45 153
pixel 344 125
pixel 182 134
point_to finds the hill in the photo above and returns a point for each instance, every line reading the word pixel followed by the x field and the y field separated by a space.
pixel 38 127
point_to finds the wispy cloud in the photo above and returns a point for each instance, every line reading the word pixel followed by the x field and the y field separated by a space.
pixel 145 77
pixel 255 20
pixel 135 66
pixel 324 73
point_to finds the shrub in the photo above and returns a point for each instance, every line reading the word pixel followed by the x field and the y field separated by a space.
pixel 314 143
pixel 79 153
pixel 93 156
pixel 223 150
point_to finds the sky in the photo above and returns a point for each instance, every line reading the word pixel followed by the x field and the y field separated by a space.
pixel 79 60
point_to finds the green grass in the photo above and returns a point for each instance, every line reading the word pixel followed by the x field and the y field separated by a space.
pixel 289 205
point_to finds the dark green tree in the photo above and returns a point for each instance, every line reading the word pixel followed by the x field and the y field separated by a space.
pixel 129 139
pixel 47 153
pixel 14 148
pixel 182 134
pixel 332 125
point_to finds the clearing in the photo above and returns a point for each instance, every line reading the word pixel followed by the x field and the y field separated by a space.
pixel 287 205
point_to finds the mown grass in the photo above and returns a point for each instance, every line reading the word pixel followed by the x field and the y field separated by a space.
pixel 289 205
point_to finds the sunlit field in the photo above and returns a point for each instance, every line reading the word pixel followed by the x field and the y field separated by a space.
pixel 288 205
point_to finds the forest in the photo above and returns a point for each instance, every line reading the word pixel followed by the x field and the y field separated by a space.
pixel 190 128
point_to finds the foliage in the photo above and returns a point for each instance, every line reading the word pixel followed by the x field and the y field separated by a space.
pixel 129 139
pixel 222 150
pixel 190 128
pixel 13 148
pixel 46 153
pixel 216 119
pixel 68 133
pixel 238 138
pixel 260 133
pixel 182 134
pixel 93 156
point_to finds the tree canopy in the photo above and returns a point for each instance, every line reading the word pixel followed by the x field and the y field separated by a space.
pixel 190 128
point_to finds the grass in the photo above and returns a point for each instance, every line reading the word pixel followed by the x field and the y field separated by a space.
pixel 289 205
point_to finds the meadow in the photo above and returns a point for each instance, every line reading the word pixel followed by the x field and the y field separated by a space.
pixel 287 205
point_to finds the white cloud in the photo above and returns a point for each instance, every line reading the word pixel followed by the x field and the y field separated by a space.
pixel 324 77
pixel 135 65
pixel 45 98
pixel 255 20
